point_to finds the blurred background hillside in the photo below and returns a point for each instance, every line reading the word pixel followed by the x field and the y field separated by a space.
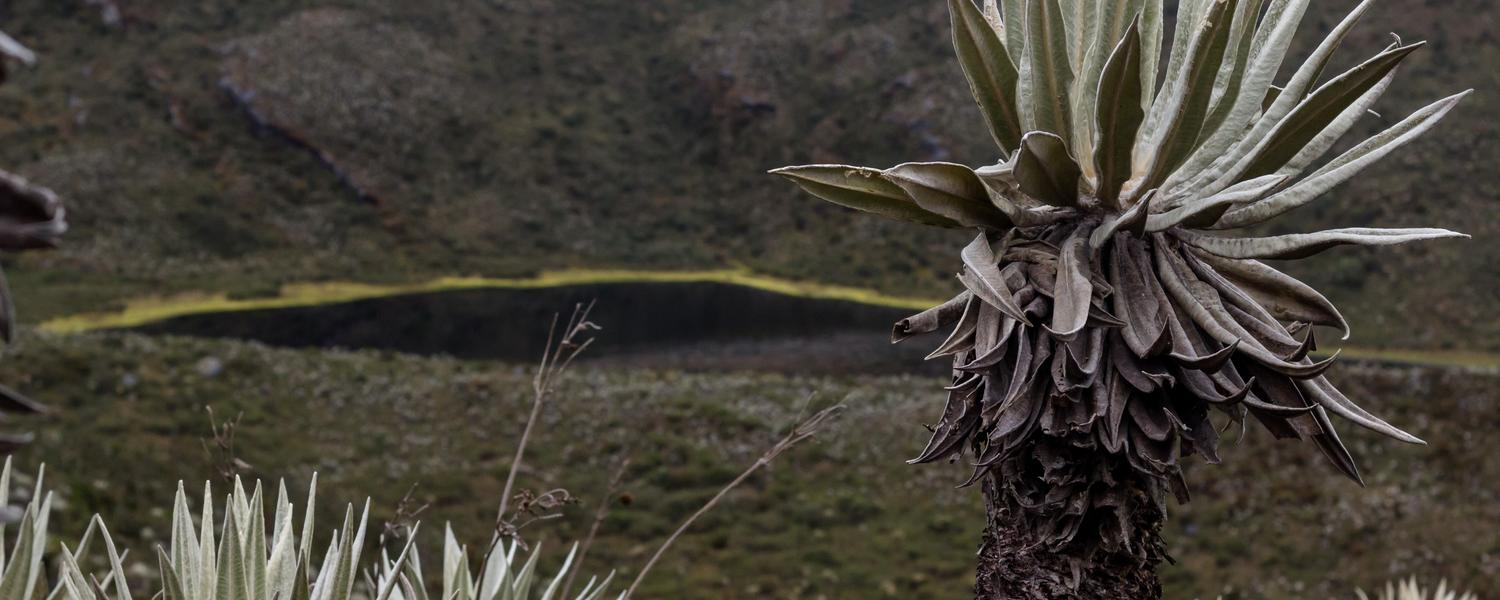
pixel 227 145
pixel 238 145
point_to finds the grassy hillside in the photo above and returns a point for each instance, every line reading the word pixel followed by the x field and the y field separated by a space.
pixel 231 146
pixel 841 517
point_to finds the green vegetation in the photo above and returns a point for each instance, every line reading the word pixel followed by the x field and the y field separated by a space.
pixel 500 138
pixel 838 518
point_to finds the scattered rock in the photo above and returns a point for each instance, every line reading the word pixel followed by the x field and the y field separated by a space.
pixel 210 366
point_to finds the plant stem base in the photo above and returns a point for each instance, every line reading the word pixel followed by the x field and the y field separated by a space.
pixel 1015 564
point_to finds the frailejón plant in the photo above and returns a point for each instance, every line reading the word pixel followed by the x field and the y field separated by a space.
pixel 247 557
pixel 31 217
pixel 1109 303
pixel 21 572
pixel 1410 590
pixel 496 580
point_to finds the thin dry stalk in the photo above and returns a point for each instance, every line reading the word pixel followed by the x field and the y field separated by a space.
pixel 802 431
pixel 401 526
pixel 222 453
pixel 600 514
pixel 555 362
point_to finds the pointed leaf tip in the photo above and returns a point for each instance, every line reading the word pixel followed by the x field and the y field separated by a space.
pixel 863 189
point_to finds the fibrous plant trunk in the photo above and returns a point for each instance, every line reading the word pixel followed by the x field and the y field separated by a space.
pixel 1015 563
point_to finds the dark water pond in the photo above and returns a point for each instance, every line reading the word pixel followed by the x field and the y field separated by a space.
pixel 696 326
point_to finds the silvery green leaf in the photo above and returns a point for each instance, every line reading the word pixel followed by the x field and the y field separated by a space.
pixel 861 189
pixel 455 568
pixel 72 576
pixel 951 191
pixel 1046 71
pixel 344 568
pixel 4 501
pixel 1234 112
pixel 10 48
pixel 1177 120
pixel 527 575
pixel 84 541
pixel 1345 167
pixel 1320 109
pixel 322 588
pixel 36 581
pixel 1045 172
pixel 594 590
pixel 1107 32
pixel 171 584
pixel 13 583
pixel 1189 19
pixel 305 549
pixel 1153 22
pixel 1236 59
pixel 281 523
pixel 116 565
pixel 1118 114
pixel 255 547
pixel 356 548
pixel 300 587
pixel 1315 148
pixel 395 568
pixel 991 10
pixel 239 501
pixel 562 572
pixel 183 539
pixel 1304 245
pixel 412 577
pixel 1203 212
pixel 990 71
pixel 1081 21
pixel 1013 14
pixel 206 577
pixel 494 575
pixel 412 590
pixel 1288 97
pixel 281 569
pixel 230 584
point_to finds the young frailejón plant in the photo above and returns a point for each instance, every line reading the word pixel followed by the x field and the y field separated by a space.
pixel 1109 307
pixel 248 557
